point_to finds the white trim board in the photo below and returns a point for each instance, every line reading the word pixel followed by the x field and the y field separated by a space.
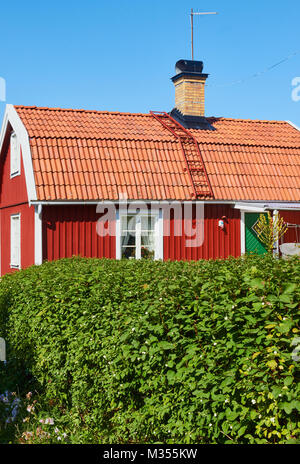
pixel 243 233
pixel 251 208
pixel 11 117
pixel 38 238
pixel 257 205
pixel 293 125
pixel 261 207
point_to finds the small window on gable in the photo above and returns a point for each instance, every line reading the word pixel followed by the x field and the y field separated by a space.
pixel 15 241
pixel 14 156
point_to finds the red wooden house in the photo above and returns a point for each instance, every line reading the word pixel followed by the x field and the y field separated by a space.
pixel 62 170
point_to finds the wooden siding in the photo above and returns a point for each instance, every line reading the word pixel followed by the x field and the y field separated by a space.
pixel 291 217
pixel 218 243
pixel 13 200
pixel 71 230
pixel 27 236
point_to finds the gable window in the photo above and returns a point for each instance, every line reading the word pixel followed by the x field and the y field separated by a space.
pixel 140 235
pixel 14 156
pixel 15 241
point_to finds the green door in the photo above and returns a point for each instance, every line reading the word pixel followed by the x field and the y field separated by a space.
pixel 253 244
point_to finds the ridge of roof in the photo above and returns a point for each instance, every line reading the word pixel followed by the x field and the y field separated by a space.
pixel 127 113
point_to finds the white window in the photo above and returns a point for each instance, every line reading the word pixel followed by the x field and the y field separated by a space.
pixel 14 156
pixel 139 235
pixel 15 241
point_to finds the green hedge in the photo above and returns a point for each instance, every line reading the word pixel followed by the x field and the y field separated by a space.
pixel 171 352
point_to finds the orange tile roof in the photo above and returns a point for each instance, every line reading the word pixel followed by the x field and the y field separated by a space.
pixel 95 155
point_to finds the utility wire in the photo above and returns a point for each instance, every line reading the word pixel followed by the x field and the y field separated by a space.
pixel 241 81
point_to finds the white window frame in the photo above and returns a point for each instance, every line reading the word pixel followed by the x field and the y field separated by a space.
pixel 17 264
pixel 15 156
pixel 158 232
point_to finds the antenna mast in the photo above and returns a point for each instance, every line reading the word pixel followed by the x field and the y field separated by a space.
pixel 192 27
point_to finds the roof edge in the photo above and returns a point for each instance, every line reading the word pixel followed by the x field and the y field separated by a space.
pixel 12 117
pixel 293 125
pixel 79 110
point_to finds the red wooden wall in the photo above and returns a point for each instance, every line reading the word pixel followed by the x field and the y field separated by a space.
pixel 292 217
pixel 71 230
pixel 13 199
pixel 218 243
pixel 27 237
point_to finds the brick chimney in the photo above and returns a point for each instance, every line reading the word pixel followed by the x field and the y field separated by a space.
pixel 189 84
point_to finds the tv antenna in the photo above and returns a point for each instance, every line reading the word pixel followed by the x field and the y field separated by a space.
pixel 192 25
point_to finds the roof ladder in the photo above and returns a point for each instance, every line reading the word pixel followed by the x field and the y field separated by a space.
pixel 192 155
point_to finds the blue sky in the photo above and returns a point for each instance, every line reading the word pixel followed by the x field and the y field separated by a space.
pixel 119 55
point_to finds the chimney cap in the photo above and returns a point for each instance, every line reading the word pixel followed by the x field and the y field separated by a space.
pixel 189 66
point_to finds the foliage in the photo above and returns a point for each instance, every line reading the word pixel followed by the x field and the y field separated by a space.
pixel 270 229
pixel 156 352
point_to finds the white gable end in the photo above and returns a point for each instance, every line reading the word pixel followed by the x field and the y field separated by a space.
pixel 11 117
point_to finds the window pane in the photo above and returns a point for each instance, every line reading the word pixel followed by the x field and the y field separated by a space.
pixel 128 252
pixel 147 245
pixel 148 222
pixel 14 155
pixel 128 239
pixel 147 239
pixel 128 222
pixel 147 253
